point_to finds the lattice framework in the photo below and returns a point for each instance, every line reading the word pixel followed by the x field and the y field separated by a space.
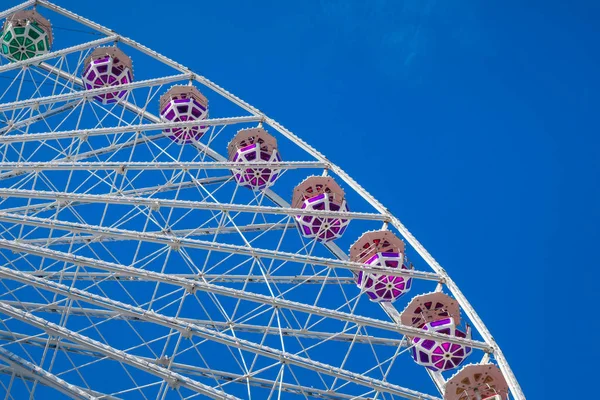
pixel 238 303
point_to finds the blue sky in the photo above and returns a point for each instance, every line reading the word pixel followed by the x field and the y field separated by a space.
pixel 474 122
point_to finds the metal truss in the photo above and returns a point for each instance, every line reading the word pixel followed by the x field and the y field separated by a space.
pixel 181 368
pixel 179 242
pixel 214 278
pixel 158 203
pixel 174 379
pixel 137 166
pixel 146 190
pixel 86 133
pixel 106 225
pixel 89 94
pixel 215 325
pixel 194 286
pixel 188 329
pixel 68 239
pixel 24 368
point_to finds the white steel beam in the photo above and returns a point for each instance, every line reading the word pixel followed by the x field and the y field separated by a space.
pixel 196 205
pixel 173 378
pixel 16 8
pixel 158 165
pixel 176 242
pixel 76 311
pixel 6 370
pixel 187 329
pixel 185 369
pixel 210 278
pixel 34 118
pixel 72 239
pixel 515 388
pixel 23 367
pixel 195 285
pixel 303 391
pixel 91 93
pixel 92 153
pixel 51 342
pixel 127 105
pixel 166 187
pixel 157 126
pixel 226 377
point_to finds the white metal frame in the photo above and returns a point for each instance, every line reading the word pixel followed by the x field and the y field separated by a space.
pixel 45 280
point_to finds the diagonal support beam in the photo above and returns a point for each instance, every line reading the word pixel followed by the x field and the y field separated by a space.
pixel 72 239
pixel 187 329
pixel 16 8
pixel 177 242
pixel 140 191
pixel 157 126
pixel 211 278
pixel 142 166
pixel 192 286
pixel 92 92
pixel 76 311
pixel 187 204
pixel 92 153
pixel 185 369
pixel 35 118
pixel 173 378
pixel 25 368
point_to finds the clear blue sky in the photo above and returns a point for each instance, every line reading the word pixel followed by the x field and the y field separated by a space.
pixel 479 120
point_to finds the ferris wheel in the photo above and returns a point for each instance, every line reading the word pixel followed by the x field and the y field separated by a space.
pixel 163 239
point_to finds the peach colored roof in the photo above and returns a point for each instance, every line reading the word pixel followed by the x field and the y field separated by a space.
pixel 114 52
pixel 313 186
pixel 375 242
pixel 441 303
pixel 20 18
pixel 180 91
pixel 485 378
pixel 246 137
